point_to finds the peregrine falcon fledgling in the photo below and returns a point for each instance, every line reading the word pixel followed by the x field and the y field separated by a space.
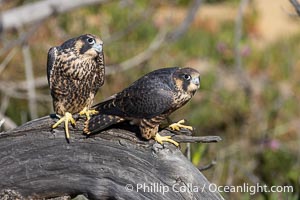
pixel 75 72
pixel 147 102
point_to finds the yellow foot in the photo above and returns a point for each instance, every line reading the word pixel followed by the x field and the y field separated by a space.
pixel 88 113
pixel 177 126
pixel 66 118
pixel 160 139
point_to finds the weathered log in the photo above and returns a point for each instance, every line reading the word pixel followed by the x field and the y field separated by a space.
pixel 38 162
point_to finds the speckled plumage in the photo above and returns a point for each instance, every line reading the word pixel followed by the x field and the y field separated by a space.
pixel 75 72
pixel 148 101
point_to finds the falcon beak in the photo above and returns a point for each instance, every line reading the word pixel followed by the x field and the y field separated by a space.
pixel 196 81
pixel 98 47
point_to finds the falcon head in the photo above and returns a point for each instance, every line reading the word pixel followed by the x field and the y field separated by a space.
pixel 187 80
pixel 89 45
pixel 86 45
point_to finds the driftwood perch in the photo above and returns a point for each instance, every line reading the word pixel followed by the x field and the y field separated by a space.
pixel 38 162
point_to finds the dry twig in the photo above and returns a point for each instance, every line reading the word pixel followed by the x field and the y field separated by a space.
pixel 190 16
pixel 7 59
pixel 40 10
pixel 296 5
pixel 32 104
pixel 8 123
pixel 242 77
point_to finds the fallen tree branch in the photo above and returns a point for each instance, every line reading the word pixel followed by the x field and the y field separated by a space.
pixel 208 166
pixel 7 123
pixel 37 11
pixel 114 164
pixel 296 5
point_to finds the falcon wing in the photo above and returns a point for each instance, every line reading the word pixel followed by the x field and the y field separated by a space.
pixel 146 103
pixel 138 101
pixel 126 105
pixel 50 63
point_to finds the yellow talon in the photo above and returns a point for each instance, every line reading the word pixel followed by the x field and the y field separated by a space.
pixel 177 126
pixel 88 113
pixel 160 139
pixel 66 118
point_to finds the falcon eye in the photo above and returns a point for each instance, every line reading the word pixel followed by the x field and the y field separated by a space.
pixel 91 41
pixel 186 77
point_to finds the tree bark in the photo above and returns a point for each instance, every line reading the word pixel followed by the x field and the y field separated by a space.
pixel 38 162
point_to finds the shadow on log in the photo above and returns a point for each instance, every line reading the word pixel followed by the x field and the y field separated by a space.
pixel 38 162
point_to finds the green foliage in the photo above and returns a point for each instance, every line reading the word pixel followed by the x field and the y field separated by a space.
pixel 243 121
pixel 197 43
pixel 197 154
pixel 271 165
pixel 277 167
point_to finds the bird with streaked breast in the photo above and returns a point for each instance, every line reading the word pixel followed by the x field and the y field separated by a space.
pixel 75 72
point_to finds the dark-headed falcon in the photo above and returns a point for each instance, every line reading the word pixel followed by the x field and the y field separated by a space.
pixel 75 72
pixel 148 102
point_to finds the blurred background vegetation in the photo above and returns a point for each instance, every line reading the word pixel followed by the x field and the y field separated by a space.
pixel 246 51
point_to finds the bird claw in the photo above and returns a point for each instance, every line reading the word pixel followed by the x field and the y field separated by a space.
pixel 160 139
pixel 66 118
pixel 88 113
pixel 179 125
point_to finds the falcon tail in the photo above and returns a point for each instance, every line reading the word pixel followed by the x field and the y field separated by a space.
pixel 109 114
pixel 108 107
pixel 100 122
